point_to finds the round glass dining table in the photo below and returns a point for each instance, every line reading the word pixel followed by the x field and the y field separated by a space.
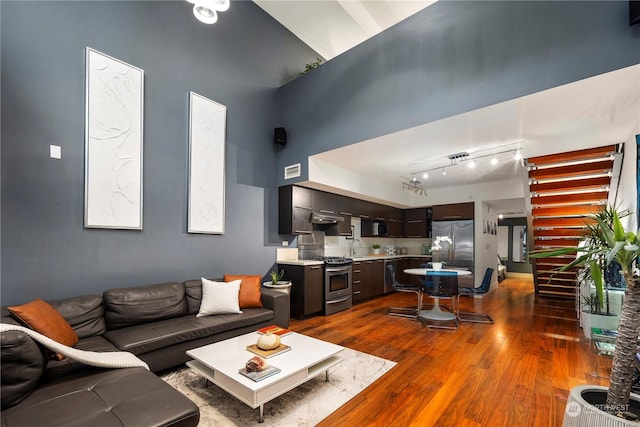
pixel 436 312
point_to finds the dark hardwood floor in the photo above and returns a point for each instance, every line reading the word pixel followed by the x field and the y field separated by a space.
pixel 516 372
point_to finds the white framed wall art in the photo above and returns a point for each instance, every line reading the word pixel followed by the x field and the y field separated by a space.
pixel 114 97
pixel 207 134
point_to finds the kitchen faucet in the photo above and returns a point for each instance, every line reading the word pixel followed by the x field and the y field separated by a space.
pixel 353 249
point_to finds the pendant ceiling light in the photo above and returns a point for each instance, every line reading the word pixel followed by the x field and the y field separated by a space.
pixel 206 11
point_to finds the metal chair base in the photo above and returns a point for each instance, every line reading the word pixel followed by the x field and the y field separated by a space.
pixel 475 317
pixel 409 313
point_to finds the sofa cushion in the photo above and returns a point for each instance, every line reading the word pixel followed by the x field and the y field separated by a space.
pixel 23 362
pixel 112 397
pixel 193 295
pixel 132 306
pixel 250 295
pixel 85 314
pixel 67 366
pixel 148 337
pixel 219 297
pixel 42 317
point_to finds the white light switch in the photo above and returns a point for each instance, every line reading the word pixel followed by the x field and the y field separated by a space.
pixel 55 152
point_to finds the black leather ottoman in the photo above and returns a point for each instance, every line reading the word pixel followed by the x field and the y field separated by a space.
pixel 104 397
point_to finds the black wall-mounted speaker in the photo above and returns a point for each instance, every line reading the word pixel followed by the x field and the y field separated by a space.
pixel 280 136
pixel 634 12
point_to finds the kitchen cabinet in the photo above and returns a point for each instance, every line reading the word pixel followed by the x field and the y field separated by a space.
pixel 454 211
pixel 360 276
pixel 377 283
pixel 415 222
pixel 307 289
pixel 294 208
pixel 323 202
pixel 395 228
pixel 401 265
pixel 368 279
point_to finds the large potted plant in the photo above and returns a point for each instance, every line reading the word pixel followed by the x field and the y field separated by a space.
pixel 588 405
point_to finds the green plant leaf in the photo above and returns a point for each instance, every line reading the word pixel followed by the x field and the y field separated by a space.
pixel 618 229
pixel 596 275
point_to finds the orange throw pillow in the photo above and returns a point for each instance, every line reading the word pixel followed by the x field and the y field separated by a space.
pixel 250 294
pixel 40 316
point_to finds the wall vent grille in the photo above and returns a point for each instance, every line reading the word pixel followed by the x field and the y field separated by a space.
pixel 292 171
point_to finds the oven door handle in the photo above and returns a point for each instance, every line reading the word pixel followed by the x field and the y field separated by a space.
pixel 336 301
pixel 338 269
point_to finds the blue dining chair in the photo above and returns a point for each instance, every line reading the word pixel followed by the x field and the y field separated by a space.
pixel 471 292
pixel 413 313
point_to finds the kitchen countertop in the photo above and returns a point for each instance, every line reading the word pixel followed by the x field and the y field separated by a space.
pixel 304 262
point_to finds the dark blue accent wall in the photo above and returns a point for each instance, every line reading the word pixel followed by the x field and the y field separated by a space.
pixel 239 62
pixel 450 58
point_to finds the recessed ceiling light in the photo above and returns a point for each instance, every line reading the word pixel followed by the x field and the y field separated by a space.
pixel 494 161
pixel 471 164
pixel 425 175
pixel 517 155
pixel 444 171
pixel 500 216
pixel 205 13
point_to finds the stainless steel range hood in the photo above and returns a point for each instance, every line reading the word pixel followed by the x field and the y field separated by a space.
pixel 320 218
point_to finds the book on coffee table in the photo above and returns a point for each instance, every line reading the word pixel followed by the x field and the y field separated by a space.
pixel 253 348
pixel 276 330
pixel 259 375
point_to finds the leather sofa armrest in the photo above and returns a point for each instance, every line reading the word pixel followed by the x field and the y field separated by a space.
pixel 279 303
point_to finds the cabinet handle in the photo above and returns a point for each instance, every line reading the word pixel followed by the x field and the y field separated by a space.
pixel 368 262
pixel 301 232
pixel 416 236
pixel 317 267
pixel 363 216
pixel 381 219
pixel 452 216
pixel 326 211
pixel 414 221
pixel 356 281
pixel 357 292
pixel 346 213
pixel 356 271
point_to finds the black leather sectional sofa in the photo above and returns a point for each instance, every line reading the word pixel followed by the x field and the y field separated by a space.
pixel 157 323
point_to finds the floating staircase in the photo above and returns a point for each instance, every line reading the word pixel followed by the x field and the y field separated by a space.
pixel 565 188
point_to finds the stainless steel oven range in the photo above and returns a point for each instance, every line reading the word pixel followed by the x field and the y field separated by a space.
pixel 337 284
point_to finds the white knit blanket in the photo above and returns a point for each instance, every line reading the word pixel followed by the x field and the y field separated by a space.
pixel 109 359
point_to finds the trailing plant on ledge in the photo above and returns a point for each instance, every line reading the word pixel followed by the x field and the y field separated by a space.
pixel 312 66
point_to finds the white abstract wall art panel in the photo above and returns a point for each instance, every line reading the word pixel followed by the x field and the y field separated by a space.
pixel 113 143
pixel 207 124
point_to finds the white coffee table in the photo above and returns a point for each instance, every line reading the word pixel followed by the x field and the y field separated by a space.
pixel 219 363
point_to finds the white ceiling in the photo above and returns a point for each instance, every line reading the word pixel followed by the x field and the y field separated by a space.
pixel 331 27
pixel 593 112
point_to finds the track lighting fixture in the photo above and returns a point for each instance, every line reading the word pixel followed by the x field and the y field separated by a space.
pixel 471 162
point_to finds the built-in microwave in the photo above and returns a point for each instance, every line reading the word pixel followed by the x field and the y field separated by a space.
pixel 379 229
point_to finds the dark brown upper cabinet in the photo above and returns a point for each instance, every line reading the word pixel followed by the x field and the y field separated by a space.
pixel 453 211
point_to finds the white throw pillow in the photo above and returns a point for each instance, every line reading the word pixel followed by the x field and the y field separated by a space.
pixel 219 297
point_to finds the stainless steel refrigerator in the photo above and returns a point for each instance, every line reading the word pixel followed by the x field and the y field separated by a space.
pixel 459 253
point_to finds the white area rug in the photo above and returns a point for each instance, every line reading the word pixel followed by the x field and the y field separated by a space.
pixel 305 405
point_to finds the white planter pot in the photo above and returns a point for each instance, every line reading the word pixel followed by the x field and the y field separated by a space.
pixel 377 251
pixel 603 321
pixel 582 408
pixel 436 265
pixel 282 286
